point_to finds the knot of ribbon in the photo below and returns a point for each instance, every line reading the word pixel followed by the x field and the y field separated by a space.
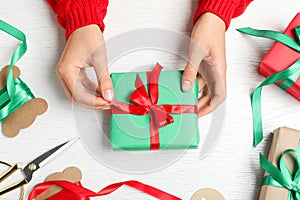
pixel 295 187
pixel 148 101
pixel 286 78
pixel 16 93
pixel 75 191
pixel 144 103
pixel 282 177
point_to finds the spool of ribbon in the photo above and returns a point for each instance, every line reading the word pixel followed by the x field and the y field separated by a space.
pixel 77 192
pixel 282 177
pixel 16 93
pixel 146 103
pixel 287 77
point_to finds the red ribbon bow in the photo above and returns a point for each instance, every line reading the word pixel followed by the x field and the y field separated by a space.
pixel 75 191
pixel 146 103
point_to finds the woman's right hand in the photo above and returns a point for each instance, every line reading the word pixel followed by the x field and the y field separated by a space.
pixel 86 48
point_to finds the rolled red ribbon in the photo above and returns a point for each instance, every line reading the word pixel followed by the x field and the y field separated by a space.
pixel 75 191
pixel 146 103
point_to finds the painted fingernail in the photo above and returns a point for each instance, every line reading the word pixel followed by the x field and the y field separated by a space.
pixel 186 85
pixel 109 95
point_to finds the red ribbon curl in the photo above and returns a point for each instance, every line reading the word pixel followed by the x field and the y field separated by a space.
pixel 146 103
pixel 74 191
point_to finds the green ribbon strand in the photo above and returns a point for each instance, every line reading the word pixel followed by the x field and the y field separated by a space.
pixel 22 96
pixel 274 35
pixel 290 75
pixel 16 93
pixel 287 77
pixel 282 177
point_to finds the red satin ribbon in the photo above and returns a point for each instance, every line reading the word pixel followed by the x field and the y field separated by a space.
pixel 74 191
pixel 146 103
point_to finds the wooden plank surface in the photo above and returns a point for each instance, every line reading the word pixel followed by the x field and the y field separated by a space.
pixel 233 166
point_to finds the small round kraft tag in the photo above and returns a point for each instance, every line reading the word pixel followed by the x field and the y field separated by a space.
pixel 207 194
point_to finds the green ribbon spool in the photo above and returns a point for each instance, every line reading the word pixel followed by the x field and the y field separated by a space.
pixel 282 177
pixel 287 77
pixel 16 93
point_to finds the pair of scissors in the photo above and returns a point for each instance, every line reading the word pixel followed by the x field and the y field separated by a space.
pixel 31 167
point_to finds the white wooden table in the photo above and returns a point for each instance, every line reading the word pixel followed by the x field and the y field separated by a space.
pixel 233 166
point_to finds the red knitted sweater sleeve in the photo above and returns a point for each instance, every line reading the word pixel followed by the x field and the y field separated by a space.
pixel 73 14
pixel 225 9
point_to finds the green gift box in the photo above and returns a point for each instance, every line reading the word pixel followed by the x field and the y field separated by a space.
pixel 171 122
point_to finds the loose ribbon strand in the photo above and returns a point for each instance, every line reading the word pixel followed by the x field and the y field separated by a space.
pixel 18 53
pixel 288 76
pixel 274 35
pixel 293 72
pixel 77 192
pixel 16 93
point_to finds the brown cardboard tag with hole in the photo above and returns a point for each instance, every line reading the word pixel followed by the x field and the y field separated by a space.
pixel 26 114
pixel 71 174
pixel 207 194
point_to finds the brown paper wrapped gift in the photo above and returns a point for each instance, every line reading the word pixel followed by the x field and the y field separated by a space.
pixel 283 139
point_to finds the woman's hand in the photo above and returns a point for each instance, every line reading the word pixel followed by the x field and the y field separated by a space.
pixel 86 48
pixel 207 61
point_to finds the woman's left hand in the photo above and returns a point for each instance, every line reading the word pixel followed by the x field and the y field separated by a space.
pixel 207 62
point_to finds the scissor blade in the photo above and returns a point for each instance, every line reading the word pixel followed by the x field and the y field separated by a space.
pixel 215 131
pixel 45 158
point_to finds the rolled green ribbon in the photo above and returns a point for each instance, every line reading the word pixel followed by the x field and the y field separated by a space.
pixel 16 93
pixel 287 77
pixel 282 177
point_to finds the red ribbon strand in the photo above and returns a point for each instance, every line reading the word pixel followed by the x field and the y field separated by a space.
pixel 146 103
pixel 74 191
